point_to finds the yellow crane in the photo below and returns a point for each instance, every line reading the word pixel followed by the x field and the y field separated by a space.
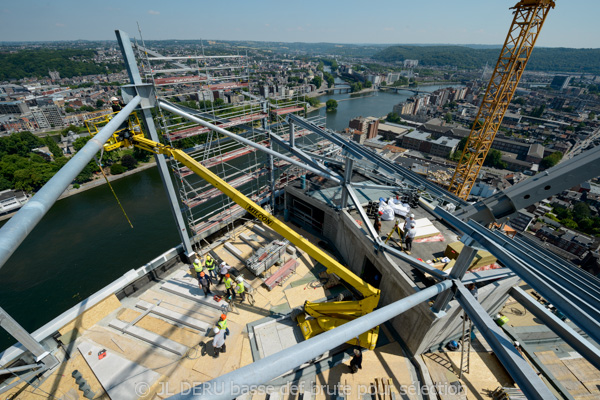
pixel 529 17
pixel 323 316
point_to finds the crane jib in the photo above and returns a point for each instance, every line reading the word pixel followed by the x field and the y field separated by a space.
pixel 261 216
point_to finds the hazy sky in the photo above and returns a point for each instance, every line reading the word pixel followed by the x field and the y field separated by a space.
pixel 573 23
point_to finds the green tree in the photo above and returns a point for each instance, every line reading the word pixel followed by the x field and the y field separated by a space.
pixel 356 87
pixel 70 128
pixel 494 159
pixel 99 103
pixel 368 84
pixel 128 161
pixel 80 142
pixel 551 160
pixel 320 66
pixel 448 117
pixel 87 173
pixel 581 211
pixel 141 155
pixel 53 147
pixel 69 110
pixel 569 223
pixel 331 105
pixel 592 115
pixel 218 103
pixel 317 81
pixel 519 100
pixel 334 65
pixel 383 83
pixel 86 109
pixel 394 118
pixel 117 169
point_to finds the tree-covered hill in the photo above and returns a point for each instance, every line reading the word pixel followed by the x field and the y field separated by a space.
pixel 28 63
pixel 542 59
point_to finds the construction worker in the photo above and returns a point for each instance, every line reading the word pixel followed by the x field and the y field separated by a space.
pixel 223 270
pixel 210 265
pixel 197 267
pixel 377 225
pixel 229 285
pixel 219 341
pixel 356 362
pixel 240 289
pixel 409 237
pixel 204 284
pixel 408 222
pixel 116 104
pixel 222 324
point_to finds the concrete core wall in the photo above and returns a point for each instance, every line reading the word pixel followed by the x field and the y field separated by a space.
pixel 419 327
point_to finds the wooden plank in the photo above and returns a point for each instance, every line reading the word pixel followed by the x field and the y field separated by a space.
pixel 118 376
pixel 92 316
pixel 175 316
pixel 298 295
pixel 150 337
pixel 585 372
pixel 562 373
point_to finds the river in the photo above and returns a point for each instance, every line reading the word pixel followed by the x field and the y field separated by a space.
pixel 84 241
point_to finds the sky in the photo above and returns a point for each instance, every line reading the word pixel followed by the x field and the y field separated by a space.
pixel 573 23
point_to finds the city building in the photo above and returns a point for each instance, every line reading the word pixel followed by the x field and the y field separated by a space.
pixel 13 107
pixel 560 82
pixel 369 126
pixel 11 200
pixel 421 141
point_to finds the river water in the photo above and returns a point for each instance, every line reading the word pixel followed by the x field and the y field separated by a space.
pixel 84 242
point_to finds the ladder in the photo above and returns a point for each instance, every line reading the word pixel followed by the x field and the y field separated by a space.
pixel 465 344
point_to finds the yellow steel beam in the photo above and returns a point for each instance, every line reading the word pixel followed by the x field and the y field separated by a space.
pixel 529 17
pixel 370 294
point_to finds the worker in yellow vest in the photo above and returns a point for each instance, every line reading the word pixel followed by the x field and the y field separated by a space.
pixel 210 266
pixel 222 324
pixel 240 289
pixel 228 285
pixel 197 267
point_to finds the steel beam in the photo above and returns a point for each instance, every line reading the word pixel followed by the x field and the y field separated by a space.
pixel 564 331
pixel 22 336
pixel 242 380
pixel 363 215
pixel 303 156
pixel 488 275
pixel 169 107
pixel 135 78
pixel 22 223
pixel 510 358
pixel 572 307
pixel 347 179
pixel 462 264
pixel 579 169
pixel 420 265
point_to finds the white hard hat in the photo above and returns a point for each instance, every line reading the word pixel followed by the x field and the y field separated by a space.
pixel 216 330
pixel 222 263
pixel 239 279
pixel 412 215
pixel 114 99
pixel 197 261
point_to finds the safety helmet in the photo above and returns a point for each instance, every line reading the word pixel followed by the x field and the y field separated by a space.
pixel 201 273
pixel 227 275
pixel 113 99
pixel 197 261
pixel 223 317
pixel 216 330
pixel 239 279
pixel 380 212
pixel 412 215
pixel 222 263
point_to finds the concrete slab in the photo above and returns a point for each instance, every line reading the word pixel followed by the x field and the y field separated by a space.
pixel 276 335
pixel 234 250
pixel 118 376
pixel 193 292
pixel 175 316
pixel 150 337
pixel 249 241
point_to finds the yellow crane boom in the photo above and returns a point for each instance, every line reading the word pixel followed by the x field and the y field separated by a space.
pixel 529 17
pixel 325 315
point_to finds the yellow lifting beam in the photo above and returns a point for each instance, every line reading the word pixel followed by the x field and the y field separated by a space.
pixel 326 315
pixel 529 17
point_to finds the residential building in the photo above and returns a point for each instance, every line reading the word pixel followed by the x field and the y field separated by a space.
pixel 13 107
pixel 11 200
pixel 421 141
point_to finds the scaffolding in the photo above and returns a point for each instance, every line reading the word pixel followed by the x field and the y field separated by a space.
pixel 218 89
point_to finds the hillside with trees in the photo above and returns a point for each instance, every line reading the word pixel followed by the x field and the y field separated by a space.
pixel 542 58
pixel 68 62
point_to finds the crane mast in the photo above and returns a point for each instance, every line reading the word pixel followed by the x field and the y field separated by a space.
pixel 529 17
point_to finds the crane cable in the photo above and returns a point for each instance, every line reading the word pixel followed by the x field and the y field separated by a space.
pixel 111 188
